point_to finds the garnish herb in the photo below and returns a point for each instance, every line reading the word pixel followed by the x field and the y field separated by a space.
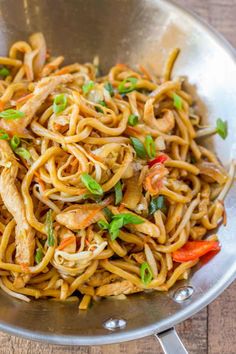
pixel 10 114
pixel 49 229
pixel 133 120
pixel 88 87
pixel 222 128
pixel 138 147
pixel 146 273
pixel 177 101
pixel 22 152
pixel 92 185
pixel 4 72
pixel 3 135
pixel 38 255
pixel 155 204
pixel 59 103
pixel 14 142
pixel 108 86
pixel 150 146
pixel 118 193
pixel 124 88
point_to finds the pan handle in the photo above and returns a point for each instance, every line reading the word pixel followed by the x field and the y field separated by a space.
pixel 170 342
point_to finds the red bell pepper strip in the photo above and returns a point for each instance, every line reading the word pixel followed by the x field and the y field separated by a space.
pixel 194 249
pixel 159 159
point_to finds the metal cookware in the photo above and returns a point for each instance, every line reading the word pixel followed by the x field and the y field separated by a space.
pixel 132 31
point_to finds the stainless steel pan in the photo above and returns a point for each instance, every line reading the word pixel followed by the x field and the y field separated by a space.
pixel 134 31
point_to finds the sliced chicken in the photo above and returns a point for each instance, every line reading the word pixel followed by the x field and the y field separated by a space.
pixel 81 217
pixel 147 227
pixel 25 243
pixel 122 287
pixel 102 278
pixel 42 90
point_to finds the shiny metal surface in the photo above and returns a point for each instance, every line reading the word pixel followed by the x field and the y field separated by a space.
pixel 132 31
pixel 170 342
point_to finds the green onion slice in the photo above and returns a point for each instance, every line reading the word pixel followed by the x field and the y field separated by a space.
pixel 22 152
pixel 108 214
pixel 103 225
pixel 108 86
pixel 119 220
pixel 10 114
pixel 138 147
pixel 156 204
pixel 3 135
pixel 88 87
pixel 127 85
pixel 92 185
pixel 38 255
pixel 49 229
pixel 133 120
pixel 14 142
pixel 118 193
pixel 150 146
pixel 146 273
pixel 177 101
pixel 59 103
pixel 222 128
pixel 4 72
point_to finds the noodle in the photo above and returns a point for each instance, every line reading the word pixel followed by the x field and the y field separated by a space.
pixel 103 183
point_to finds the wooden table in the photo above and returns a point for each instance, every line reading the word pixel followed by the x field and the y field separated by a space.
pixel 211 331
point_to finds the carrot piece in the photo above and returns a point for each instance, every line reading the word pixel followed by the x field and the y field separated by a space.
pixel 24 98
pixel 194 249
pixel 66 242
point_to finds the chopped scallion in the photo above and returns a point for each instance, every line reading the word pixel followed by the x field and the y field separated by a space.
pixel 49 229
pixel 118 193
pixel 146 273
pixel 22 152
pixel 92 185
pixel 133 120
pixel 10 114
pixel 150 146
pixel 59 103
pixel 127 85
pixel 14 142
pixel 177 101
pixel 138 147
pixel 88 87
pixel 222 128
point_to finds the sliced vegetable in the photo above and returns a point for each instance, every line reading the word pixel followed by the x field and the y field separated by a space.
pixel 22 152
pixel 127 85
pixel 195 249
pixel 108 214
pixel 150 146
pixel 157 203
pixel 222 128
pixel 88 87
pixel 146 273
pixel 177 101
pixel 4 72
pixel 138 147
pixel 119 220
pixel 10 114
pixel 108 86
pixel 103 225
pixel 133 120
pixel 66 242
pixel 49 229
pixel 38 255
pixel 159 159
pixel 118 193
pixel 59 103
pixel 14 142
pixel 102 103
pixel 92 185
pixel 3 135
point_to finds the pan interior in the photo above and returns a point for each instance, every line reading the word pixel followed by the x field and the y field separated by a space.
pixel 134 31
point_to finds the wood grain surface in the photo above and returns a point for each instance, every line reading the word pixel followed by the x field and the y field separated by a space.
pixel 211 331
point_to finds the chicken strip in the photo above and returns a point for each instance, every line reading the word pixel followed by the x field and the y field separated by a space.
pixel 42 90
pixel 147 227
pixel 102 278
pixel 117 288
pixel 81 217
pixel 25 243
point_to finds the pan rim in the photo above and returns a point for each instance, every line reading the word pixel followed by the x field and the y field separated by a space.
pixel 182 314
